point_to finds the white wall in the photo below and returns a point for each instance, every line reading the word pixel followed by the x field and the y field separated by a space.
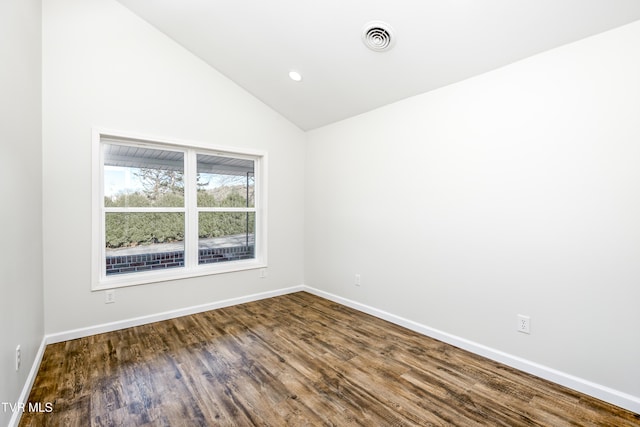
pixel 103 66
pixel 21 293
pixel 517 191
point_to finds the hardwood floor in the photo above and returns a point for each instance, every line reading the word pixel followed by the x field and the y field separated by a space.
pixel 294 360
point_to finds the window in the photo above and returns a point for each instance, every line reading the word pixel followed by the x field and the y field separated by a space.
pixel 166 210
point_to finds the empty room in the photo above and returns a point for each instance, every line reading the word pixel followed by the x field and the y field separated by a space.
pixel 297 213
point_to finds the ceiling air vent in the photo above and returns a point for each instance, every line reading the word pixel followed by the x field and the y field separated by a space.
pixel 378 36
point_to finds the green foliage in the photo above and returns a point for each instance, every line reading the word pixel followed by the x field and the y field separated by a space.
pixel 232 197
pixel 140 200
pixel 127 200
pixel 170 200
pixel 206 199
pixel 134 229
pixel 234 200
pixel 218 224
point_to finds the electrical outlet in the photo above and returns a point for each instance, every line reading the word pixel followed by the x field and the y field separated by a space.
pixel 109 296
pixel 18 357
pixel 524 324
pixel 263 273
pixel 357 281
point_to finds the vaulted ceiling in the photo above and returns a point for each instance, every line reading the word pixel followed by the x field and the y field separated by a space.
pixel 437 42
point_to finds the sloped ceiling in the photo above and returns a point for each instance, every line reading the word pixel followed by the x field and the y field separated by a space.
pixel 438 42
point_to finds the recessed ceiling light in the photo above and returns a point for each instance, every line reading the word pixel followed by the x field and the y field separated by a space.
pixel 295 76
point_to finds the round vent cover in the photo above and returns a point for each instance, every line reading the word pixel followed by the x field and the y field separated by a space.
pixel 378 36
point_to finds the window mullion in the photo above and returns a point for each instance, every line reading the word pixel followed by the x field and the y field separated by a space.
pixel 226 209
pixel 142 210
pixel 191 217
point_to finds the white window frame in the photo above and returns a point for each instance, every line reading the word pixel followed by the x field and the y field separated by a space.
pixel 192 268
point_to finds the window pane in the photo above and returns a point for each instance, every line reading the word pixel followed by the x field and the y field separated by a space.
pixel 142 177
pixel 147 241
pixel 225 236
pixel 225 182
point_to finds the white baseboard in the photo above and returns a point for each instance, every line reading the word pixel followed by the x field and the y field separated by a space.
pixel 26 389
pixel 143 320
pixel 615 397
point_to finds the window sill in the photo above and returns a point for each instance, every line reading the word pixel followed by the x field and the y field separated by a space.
pixel 134 279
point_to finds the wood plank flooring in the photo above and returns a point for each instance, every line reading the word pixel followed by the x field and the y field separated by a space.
pixel 294 360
